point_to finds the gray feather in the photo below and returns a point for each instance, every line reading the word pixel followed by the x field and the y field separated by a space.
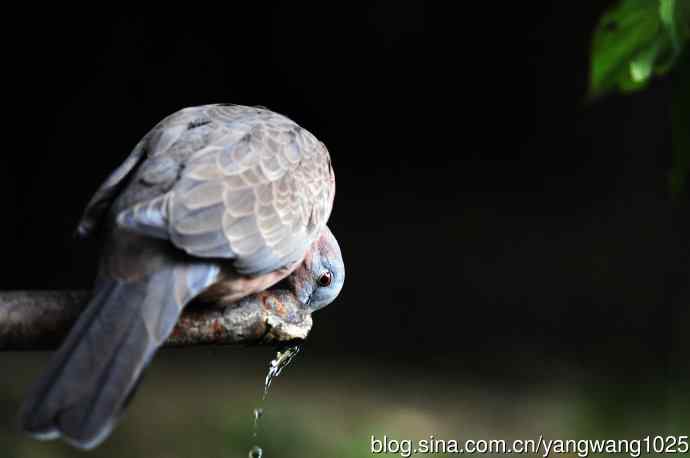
pixel 106 194
pixel 248 185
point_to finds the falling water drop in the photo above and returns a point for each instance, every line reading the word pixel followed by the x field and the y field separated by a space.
pixel 282 360
pixel 256 452
pixel 258 413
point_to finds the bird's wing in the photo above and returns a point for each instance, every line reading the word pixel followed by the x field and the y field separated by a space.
pixel 160 139
pixel 106 194
pixel 258 191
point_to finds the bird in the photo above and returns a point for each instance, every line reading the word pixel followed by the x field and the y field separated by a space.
pixel 216 202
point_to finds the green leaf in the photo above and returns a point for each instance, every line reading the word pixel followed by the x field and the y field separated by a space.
pixel 635 40
pixel 666 14
pixel 675 16
pixel 623 32
pixel 641 66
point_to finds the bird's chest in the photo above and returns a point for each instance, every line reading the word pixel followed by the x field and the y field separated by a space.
pixel 234 286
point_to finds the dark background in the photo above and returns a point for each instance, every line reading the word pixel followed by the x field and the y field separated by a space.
pixel 493 223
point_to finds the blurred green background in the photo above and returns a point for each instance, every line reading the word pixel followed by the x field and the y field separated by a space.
pixel 199 403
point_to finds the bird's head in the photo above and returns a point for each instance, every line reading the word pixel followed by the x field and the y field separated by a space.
pixel 320 277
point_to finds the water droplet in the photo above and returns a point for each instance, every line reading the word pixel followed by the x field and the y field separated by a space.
pixel 256 452
pixel 258 413
pixel 282 360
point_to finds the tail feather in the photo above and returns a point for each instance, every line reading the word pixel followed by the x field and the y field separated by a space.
pixel 93 374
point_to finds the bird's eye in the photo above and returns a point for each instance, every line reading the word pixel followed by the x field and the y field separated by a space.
pixel 325 279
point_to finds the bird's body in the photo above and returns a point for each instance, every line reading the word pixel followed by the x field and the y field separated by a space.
pixel 216 203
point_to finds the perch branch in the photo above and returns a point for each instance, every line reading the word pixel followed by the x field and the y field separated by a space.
pixel 38 320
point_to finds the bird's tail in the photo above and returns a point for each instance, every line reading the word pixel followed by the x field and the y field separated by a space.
pixel 95 371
